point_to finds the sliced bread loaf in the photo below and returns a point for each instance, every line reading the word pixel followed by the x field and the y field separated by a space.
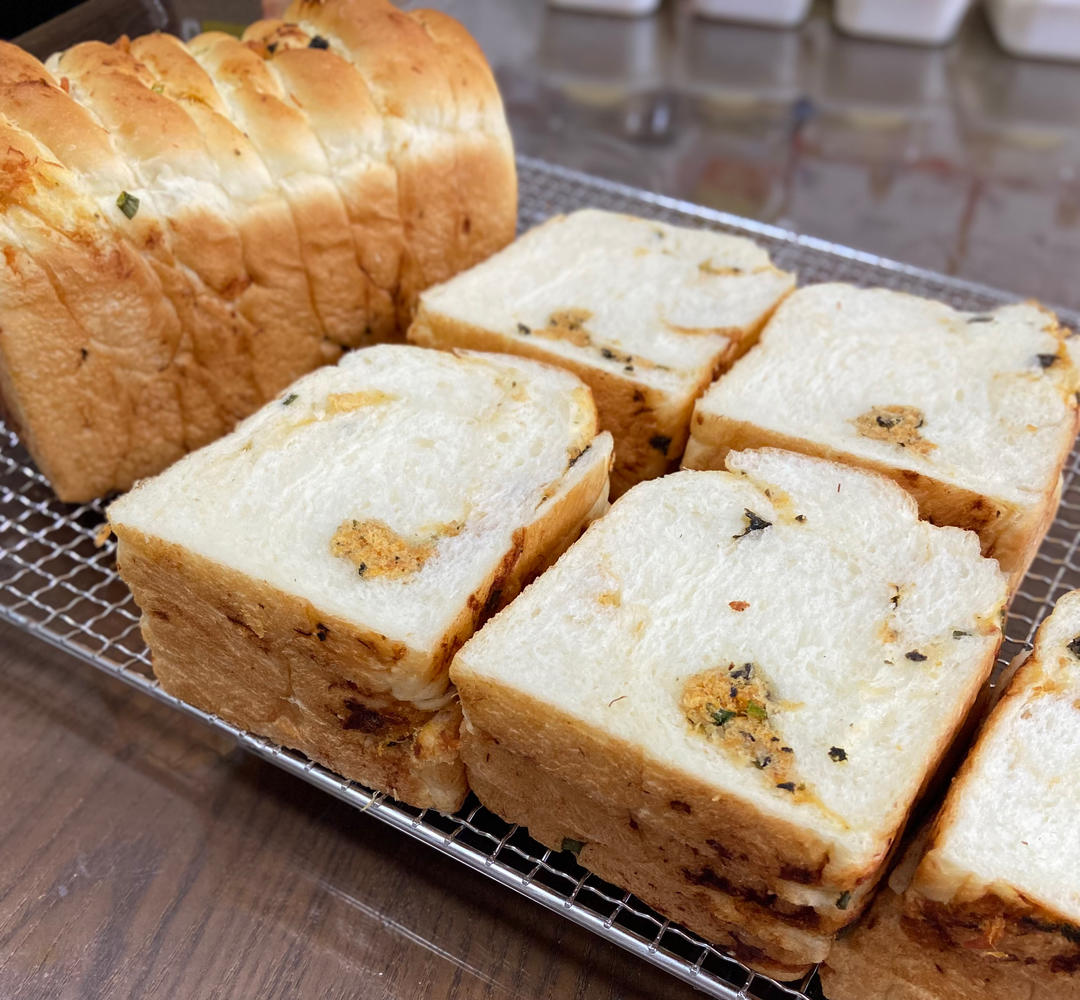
pixel 993 905
pixel 734 687
pixel 973 414
pixel 310 576
pixel 645 313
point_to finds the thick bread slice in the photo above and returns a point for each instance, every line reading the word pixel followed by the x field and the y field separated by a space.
pixel 989 902
pixel 79 303
pixel 338 105
pixel 973 414
pixel 279 301
pixel 448 138
pixel 647 314
pixel 297 161
pixel 619 672
pixel 310 576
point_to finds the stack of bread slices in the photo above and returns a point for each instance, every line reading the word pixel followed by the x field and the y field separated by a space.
pixel 188 228
pixel 733 690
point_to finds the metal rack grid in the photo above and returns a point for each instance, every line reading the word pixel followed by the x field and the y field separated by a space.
pixel 58 584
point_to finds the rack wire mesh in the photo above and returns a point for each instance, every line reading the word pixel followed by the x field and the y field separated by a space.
pixel 58 583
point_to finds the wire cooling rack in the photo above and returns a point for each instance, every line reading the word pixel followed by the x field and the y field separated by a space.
pixel 56 583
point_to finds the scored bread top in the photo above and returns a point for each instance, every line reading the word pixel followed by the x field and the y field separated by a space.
pixel 383 490
pixel 1011 824
pixel 631 295
pixel 788 632
pixel 983 400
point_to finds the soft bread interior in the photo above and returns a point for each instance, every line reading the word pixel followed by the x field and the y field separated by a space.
pixel 981 401
pixel 1011 823
pixel 636 297
pixel 869 630
pixel 450 454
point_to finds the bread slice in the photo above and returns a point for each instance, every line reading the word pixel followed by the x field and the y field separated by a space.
pixel 647 314
pixel 973 414
pixel 713 683
pixel 310 576
pixel 993 905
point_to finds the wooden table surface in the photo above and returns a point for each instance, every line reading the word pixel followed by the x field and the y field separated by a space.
pixel 144 855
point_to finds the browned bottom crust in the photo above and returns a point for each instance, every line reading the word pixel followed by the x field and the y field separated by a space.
pixel 688 882
pixel 1010 534
pixel 268 663
pixel 890 956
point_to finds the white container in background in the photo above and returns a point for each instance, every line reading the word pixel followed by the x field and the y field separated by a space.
pixel 920 22
pixel 1044 29
pixel 628 8
pixel 772 13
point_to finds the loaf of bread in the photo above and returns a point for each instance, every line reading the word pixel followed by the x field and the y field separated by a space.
pixel 310 576
pixel 187 228
pixel 973 414
pixel 645 313
pixel 988 905
pixel 730 692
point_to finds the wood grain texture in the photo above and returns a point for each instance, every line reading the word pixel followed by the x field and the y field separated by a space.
pixel 144 855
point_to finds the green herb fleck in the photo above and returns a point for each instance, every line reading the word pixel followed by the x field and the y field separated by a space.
pixel 756 711
pixel 842 902
pixel 980 319
pixel 661 442
pixel 787 786
pixel 361 569
pixel 1046 360
pixel 721 716
pixel 289 399
pixel 915 656
pixel 1074 647
pixel 571 845
pixel 127 203
pixel 838 754
pixel 318 42
pixel 524 330
pixel 960 633
pixel 158 88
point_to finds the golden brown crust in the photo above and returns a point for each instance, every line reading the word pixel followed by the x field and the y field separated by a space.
pixel 621 844
pixel 457 184
pixel 337 103
pixel 1010 534
pixel 230 290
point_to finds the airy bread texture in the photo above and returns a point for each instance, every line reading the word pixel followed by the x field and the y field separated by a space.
pixel 188 228
pixel 992 908
pixel 733 688
pixel 310 576
pixel 645 313
pixel 973 414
